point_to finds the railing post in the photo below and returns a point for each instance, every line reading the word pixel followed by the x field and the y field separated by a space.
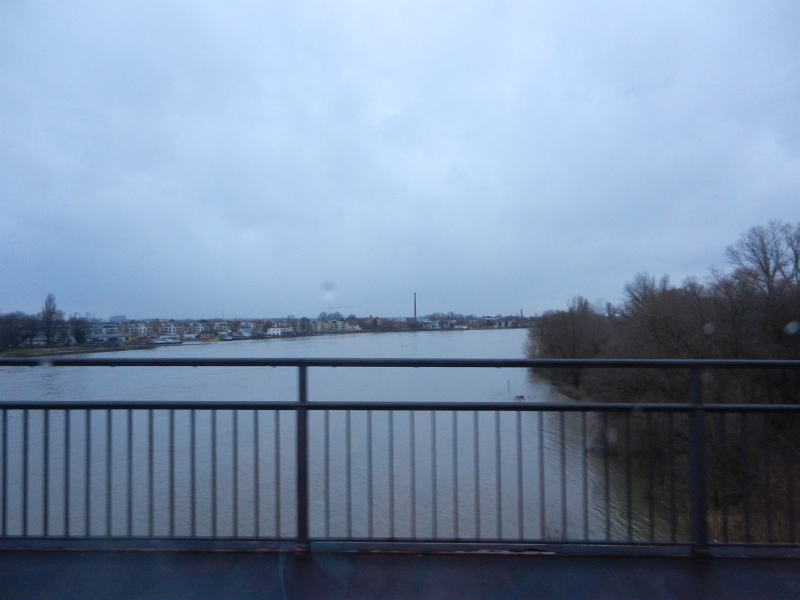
pixel 302 461
pixel 697 467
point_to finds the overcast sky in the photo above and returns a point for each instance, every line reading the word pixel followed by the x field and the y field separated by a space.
pixel 185 159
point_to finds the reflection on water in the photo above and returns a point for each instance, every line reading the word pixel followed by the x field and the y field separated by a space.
pixel 380 474
pixel 469 475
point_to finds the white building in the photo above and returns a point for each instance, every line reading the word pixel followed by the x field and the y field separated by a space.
pixel 140 329
pixel 108 329
pixel 194 328
pixel 246 329
pixel 278 331
pixel 168 329
pixel 338 326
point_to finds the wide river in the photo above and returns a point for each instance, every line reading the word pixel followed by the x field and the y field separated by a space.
pixel 372 474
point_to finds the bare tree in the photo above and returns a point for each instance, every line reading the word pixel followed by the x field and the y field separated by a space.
pixel 578 332
pixel 51 319
pixel 11 330
pixel 79 329
pixel 31 325
pixel 763 254
pixel 793 250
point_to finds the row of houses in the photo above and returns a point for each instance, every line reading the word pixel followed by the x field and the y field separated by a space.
pixel 174 331
pixel 158 329
pixel 186 329
pixel 473 323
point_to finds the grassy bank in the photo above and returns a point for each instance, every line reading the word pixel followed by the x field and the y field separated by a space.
pixel 68 351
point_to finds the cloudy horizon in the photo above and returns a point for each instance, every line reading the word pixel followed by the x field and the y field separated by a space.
pixel 256 158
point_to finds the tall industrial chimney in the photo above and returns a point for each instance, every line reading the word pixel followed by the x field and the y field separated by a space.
pixel 415 307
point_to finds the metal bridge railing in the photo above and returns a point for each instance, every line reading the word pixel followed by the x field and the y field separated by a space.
pixel 669 478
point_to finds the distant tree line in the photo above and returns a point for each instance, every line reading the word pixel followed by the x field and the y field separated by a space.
pixel 750 311
pixel 47 328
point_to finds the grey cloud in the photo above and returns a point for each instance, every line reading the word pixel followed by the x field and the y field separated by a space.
pixel 177 159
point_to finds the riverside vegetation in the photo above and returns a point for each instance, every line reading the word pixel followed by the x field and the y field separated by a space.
pixel 751 310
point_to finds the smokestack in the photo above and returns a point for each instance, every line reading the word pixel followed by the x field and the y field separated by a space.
pixel 415 307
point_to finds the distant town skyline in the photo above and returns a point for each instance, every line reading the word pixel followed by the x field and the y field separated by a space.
pixel 119 318
pixel 186 159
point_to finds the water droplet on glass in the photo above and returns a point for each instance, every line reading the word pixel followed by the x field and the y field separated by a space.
pixel 709 328
pixel 792 328
pixel 328 292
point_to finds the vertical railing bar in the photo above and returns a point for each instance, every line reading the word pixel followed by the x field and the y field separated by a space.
pixel 88 479
pixel 370 511
pixel 723 480
pixel 277 473
pixel 606 477
pixel 476 452
pixel 563 437
pixel 66 472
pixel 25 472
pixel 213 473
pixel 172 472
pixel 391 474
pixel 5 472
pixel 327 474
pixel 746 478
pixel 651 501
pixel 434 510
pixel 349 474
pixel 193 471
pixel 130 472
pixel 697 466
pixel 256 476
pixel 498 475
pixel 455 475
pixel 46 474
pixel 302 460
pixel 235 473
pixel 585 477
pixel 789 455
pixel 628 477
pixel 520 482
pixel 542 516
pixel 109 471
pixel 673 525
pixel 766 468
pixel 412 476
pixel 150 472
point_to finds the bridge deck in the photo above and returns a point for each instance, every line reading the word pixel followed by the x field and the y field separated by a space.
pixel 198 575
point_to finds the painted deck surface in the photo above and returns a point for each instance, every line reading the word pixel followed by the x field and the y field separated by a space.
pixel 199 575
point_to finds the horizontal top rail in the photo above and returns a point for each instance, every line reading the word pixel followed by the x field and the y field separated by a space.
pixel 379 405
pixel 612 363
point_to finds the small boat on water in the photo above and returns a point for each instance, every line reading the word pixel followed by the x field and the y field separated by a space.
pixel 169 339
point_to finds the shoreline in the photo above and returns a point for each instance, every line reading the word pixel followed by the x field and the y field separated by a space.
pixel 66 351
pixel 28 352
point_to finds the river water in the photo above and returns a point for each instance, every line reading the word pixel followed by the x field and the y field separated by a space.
pixel 372 474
